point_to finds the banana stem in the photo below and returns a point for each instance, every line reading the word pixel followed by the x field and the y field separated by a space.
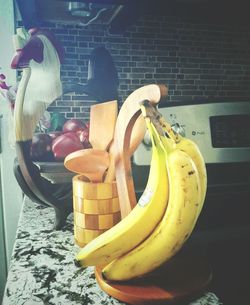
pixel 150 126
pixel 169 130
pixel 150 111
pixel 161 125
pixel 166 143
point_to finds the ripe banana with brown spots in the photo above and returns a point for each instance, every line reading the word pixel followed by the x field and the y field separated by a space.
pixel 176 225
pixel 192 149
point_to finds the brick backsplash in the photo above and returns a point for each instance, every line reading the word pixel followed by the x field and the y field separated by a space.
pixel 199 62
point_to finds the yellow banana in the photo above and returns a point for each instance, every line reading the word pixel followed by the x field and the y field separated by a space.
pixel 175 227
pixel 193 151
pixel 140 222
pixel 191 148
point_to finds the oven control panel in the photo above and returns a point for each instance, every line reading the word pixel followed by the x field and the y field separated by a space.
pixel 230 130
pixel 221 130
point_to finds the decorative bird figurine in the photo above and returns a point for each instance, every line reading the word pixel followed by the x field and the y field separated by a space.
pixel 39 56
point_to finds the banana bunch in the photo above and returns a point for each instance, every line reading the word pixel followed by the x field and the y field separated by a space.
pixel 140 222
pixel 142 242
pixel 187 189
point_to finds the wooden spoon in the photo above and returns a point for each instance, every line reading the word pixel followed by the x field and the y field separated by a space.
pixel 129 132
pixel 91 163
pixel 102 124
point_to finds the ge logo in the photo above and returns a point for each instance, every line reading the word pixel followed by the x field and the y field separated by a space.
pixel 193 133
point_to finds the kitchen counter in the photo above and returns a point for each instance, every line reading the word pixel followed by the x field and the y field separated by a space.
pixel 42 269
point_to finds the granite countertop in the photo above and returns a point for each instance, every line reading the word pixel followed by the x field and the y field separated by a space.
pixel 42 269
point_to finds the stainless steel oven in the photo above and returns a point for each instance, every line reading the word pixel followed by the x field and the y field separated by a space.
pixel 222 131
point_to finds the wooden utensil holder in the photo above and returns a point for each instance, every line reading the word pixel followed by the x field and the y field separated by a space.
pixel 96 209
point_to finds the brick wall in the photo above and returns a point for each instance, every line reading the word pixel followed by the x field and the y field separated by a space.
pixel 199 62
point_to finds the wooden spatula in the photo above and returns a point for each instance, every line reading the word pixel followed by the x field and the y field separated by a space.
pixel 102 124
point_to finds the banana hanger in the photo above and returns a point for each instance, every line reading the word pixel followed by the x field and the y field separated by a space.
pixel 150 272
pixel 39 56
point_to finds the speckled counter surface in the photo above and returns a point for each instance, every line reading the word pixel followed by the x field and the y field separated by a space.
pixel 42 269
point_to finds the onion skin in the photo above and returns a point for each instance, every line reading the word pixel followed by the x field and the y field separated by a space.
pixel 73 125
pixel 65 144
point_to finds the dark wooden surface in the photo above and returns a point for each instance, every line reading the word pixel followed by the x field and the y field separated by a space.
pixel 182 279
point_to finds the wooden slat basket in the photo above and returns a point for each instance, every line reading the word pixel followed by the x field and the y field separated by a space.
pixel 96 209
